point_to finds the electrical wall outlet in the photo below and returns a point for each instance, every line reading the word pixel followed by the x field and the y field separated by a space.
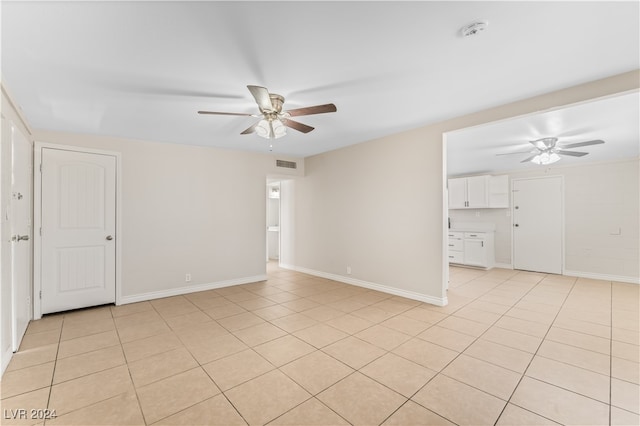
pixel 187 278
pixel 348 270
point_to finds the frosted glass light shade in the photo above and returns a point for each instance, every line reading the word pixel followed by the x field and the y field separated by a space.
pixel 545 158
pixel 273 129
pixel 262 129
pixel 279 129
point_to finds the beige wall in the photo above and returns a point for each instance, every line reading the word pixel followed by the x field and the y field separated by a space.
pixel 186 209
pixel 367 207
pixel 378 206
pixel 599 199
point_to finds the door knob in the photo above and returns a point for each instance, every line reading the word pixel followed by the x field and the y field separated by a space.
pixel 17 238
pixel 516 225
pixel 109 238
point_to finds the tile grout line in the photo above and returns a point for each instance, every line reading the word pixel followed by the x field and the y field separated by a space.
pixel 440 371
pixel 386 351
pixel 611 352
pixel 460 353
pixel 53 374
pixel 540 344
pixel 124 354
pixel 201 366
pixel 331 356
pixel 524 373
pixel 478 338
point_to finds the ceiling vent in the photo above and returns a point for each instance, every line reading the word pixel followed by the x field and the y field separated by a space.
pixel 473 29
pixel 286 164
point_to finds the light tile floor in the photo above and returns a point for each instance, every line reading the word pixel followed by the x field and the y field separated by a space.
pixel 510 348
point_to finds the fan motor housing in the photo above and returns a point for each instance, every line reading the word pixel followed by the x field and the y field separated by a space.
pixel 276 101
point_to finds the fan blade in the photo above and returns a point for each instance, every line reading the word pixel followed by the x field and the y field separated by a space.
pixel 571 153
pixel 544 143
pixel 225 113
pixel 261 95
pixel 297 126
pixel 538 144
pixel 577 144
pixel 318 109
pixel 519 152
pixel 526 160
pixel 250 129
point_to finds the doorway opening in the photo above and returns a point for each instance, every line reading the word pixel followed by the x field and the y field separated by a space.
pixel 273 221
pixel 279 221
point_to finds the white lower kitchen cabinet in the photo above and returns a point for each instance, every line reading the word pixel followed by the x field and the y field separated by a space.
pixel 472 249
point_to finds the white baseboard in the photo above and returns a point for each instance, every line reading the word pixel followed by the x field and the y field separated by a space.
pixel 189 289
pixel 372 286
pixel 287 266
pixel 603 277
pixel 6 358
pixel 503 265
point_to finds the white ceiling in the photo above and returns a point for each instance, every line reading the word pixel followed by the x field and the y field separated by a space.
pixel 615 120
pixel 142 69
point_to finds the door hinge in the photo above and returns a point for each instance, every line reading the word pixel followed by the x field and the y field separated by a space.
pixel 40 167
pixel 40 294
pixel 41 231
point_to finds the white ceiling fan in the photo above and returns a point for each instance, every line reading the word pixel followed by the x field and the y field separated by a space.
pixel 548 150
pixel 274 121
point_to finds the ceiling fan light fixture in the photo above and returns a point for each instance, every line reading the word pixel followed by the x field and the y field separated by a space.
pixel 271 128
pixel 545 158
pixel 274 121
pixel 279 129
pixel 263 129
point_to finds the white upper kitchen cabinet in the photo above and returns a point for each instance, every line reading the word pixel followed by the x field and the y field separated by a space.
pixel 479 192
pixel 499 191
pixel 469 192
pixel 458 193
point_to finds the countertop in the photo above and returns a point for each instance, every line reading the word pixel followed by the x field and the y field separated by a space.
pixel 473 227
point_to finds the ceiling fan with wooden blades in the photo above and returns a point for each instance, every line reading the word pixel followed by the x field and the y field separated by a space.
pixel 548 150
pixel 274 121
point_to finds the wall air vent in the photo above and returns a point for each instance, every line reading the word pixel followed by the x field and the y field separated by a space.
pixel 286 164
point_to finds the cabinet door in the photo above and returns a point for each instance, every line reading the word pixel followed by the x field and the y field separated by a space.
pixel 478 192
pixel 475 253
pixel 499 191
pixel 457 193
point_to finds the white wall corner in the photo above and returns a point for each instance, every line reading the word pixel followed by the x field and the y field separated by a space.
pixel 372 286
pixel 189 289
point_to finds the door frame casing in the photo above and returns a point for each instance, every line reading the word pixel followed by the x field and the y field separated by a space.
pixel 37 218
pixel 562 215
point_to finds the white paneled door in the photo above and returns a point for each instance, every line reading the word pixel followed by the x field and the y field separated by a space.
pixel 21 234
pixel 78 229
pixel 537 224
